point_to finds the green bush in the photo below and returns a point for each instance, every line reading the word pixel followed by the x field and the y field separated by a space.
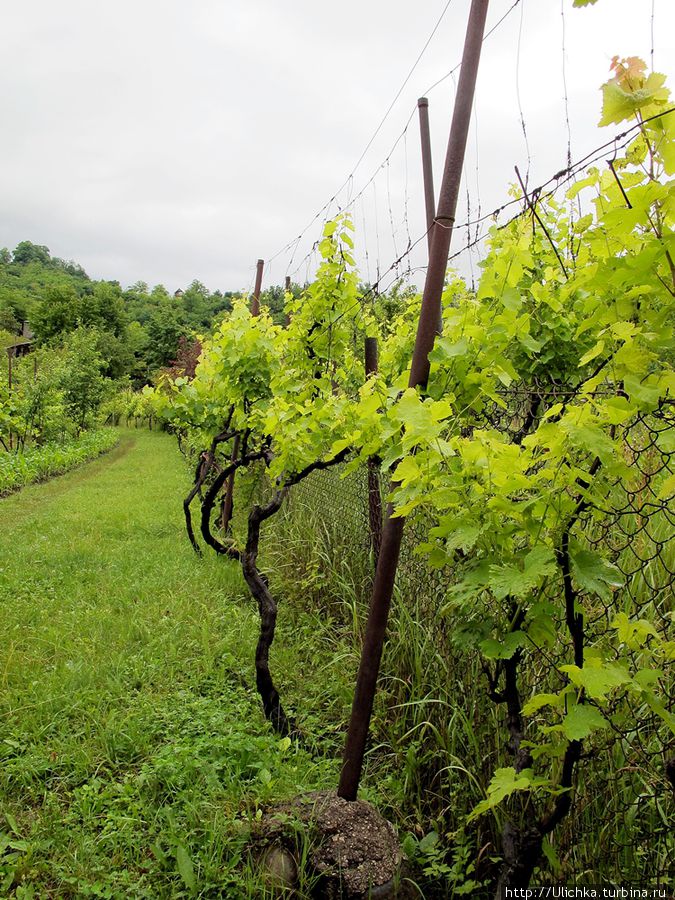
pixel 18 470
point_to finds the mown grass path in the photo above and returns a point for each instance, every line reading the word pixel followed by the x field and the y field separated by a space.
pixel 133 753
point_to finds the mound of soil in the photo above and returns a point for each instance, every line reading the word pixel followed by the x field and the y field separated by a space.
pixel 354 852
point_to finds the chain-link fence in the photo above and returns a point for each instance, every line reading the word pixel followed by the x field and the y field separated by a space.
pixel 620 825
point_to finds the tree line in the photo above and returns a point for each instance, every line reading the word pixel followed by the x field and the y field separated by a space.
pixel 91 339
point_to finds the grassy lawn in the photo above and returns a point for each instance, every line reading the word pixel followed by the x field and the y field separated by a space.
pixel 133 752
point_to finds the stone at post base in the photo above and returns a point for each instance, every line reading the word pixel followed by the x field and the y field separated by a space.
pixel 351 849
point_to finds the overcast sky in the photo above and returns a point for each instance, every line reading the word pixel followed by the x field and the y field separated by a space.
pixel 167 141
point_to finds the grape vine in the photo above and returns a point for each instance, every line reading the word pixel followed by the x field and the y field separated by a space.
pixel 513 454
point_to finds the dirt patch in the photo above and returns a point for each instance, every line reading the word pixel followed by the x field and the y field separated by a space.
pixel 350 848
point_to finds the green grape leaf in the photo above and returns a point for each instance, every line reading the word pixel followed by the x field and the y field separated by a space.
pixel 512 580
pixel 505 782
pixel 619 104
pixel 445 349
pixel 539 701
pixel 597 678
pixel 581 721
pixel 633 633
pixel 503 649
pixel 594 574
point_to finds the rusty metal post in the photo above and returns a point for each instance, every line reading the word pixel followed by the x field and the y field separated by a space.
pixel 255 297
pixel 428 176
pixel 427 169
pixel 374 489
pixel 385 575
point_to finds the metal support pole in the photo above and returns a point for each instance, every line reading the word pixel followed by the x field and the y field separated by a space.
pixel 428 175
pixel 427 169
pixel 385 575
pixel 371 356
pixel 374 490
pixel 255 297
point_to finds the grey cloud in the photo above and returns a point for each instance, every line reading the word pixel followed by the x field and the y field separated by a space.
pixel 168 141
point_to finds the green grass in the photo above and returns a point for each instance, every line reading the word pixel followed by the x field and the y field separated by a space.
pixel 134 755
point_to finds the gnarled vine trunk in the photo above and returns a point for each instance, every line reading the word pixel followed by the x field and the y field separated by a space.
pixel 256 580
pixel 267 609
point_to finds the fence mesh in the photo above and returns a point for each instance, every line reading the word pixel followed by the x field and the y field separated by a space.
pixel 624 795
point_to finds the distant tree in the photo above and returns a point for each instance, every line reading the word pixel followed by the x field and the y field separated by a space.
pixel 6 338
pixel 14 306
pixel 8 321
pixel 71 268
pixel 82 380
pixel 137 341
pixel 116 354
pixel 138 303
pixel 138 328
pixel 57 313
pixel 159 293
pixel 137 338
pixel 104 308
pixel 274 298
pixel 164 331
pixel 26 252
pixel 197 306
